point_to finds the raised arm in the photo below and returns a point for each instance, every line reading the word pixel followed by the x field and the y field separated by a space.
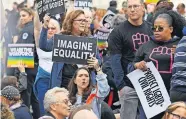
pixel 37 28
pixel 45 44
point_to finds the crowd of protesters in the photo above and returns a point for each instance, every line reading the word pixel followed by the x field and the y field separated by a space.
pixel 100 89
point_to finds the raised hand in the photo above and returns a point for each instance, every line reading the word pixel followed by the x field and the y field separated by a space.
pixel 139 39
pixel 165 55
pixel 46 21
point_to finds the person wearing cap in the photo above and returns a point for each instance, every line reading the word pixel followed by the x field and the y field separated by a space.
pixel 11 96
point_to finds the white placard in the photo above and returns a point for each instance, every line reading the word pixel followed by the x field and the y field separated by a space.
pixel 150 89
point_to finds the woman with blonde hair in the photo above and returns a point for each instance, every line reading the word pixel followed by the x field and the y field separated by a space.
pixel 176 110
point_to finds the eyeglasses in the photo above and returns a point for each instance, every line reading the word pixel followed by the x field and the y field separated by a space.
pixel 52 28
pixel 175 116
pixel 81 20
pixel 133 6
pixel 66 102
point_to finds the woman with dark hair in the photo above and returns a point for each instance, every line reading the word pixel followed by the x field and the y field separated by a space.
pixel 75 25
pixel 26 36
pixel 160 49
pixel 81 89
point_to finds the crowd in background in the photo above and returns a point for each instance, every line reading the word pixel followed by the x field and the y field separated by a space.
pixel 139 33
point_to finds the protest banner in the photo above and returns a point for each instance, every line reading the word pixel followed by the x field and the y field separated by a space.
pixel 20 52
pixel 150 89
pixel 83 4
pixel 52 7
pixel 72 49
pixel 107 19
pixel 102 35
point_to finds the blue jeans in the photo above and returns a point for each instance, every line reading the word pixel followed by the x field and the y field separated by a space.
pixel 41 86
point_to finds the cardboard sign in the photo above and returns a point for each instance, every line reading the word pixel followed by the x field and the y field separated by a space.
pixel 102 36
pixel 107 19
pixel 83 4
pixel 20 52
pixel 150 89
pixel 52 7
pixel 73 50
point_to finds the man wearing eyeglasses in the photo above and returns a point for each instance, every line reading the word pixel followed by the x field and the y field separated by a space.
pixel 57 104
pixel 124 41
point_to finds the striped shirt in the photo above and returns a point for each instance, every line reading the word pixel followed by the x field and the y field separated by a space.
pixel 178 81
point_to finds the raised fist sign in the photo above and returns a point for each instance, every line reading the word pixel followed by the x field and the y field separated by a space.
pixel 161 56
pixel 139 39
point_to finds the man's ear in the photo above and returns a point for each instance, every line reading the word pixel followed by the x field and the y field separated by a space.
pixel 53 107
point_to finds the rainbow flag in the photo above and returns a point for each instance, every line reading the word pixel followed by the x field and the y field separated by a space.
pixel 20 53
pixel 102 36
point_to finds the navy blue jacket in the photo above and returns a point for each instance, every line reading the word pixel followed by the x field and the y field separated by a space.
pixel 56 74
pixel 22 112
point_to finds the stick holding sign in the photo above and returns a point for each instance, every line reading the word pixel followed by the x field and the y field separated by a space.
pixel 150 89
pixel 73 50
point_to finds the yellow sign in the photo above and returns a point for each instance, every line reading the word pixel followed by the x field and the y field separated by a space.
pixel 152 1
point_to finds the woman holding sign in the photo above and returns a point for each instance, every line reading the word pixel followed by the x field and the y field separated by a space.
pixel 81 89
pixel 167 28
pixel 76 25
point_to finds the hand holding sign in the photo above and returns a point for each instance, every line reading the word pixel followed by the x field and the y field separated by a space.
pixel 46 21
pixel 21 66
pixel 93 63
pixel 141 65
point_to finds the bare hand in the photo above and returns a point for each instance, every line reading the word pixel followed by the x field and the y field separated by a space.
pixel 46 21
pixel 141 65
pixel 93 63
pixel 21 66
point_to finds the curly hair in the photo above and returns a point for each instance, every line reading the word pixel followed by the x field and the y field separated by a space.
pixel 68 22
pixel 178 22
pixel 6 113
pixel 72 87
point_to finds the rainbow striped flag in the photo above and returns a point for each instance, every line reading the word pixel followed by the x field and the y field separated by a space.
pixel 102 36
pixel 20 53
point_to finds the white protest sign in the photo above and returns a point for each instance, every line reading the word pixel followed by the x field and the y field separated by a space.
pixel 150 89
pixel 107 19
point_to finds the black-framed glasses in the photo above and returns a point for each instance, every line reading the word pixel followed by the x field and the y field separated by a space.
pixel 175 116
pixel 81 20
pixel 133 6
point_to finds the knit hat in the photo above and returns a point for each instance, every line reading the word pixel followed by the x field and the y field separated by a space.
pixel 10 92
